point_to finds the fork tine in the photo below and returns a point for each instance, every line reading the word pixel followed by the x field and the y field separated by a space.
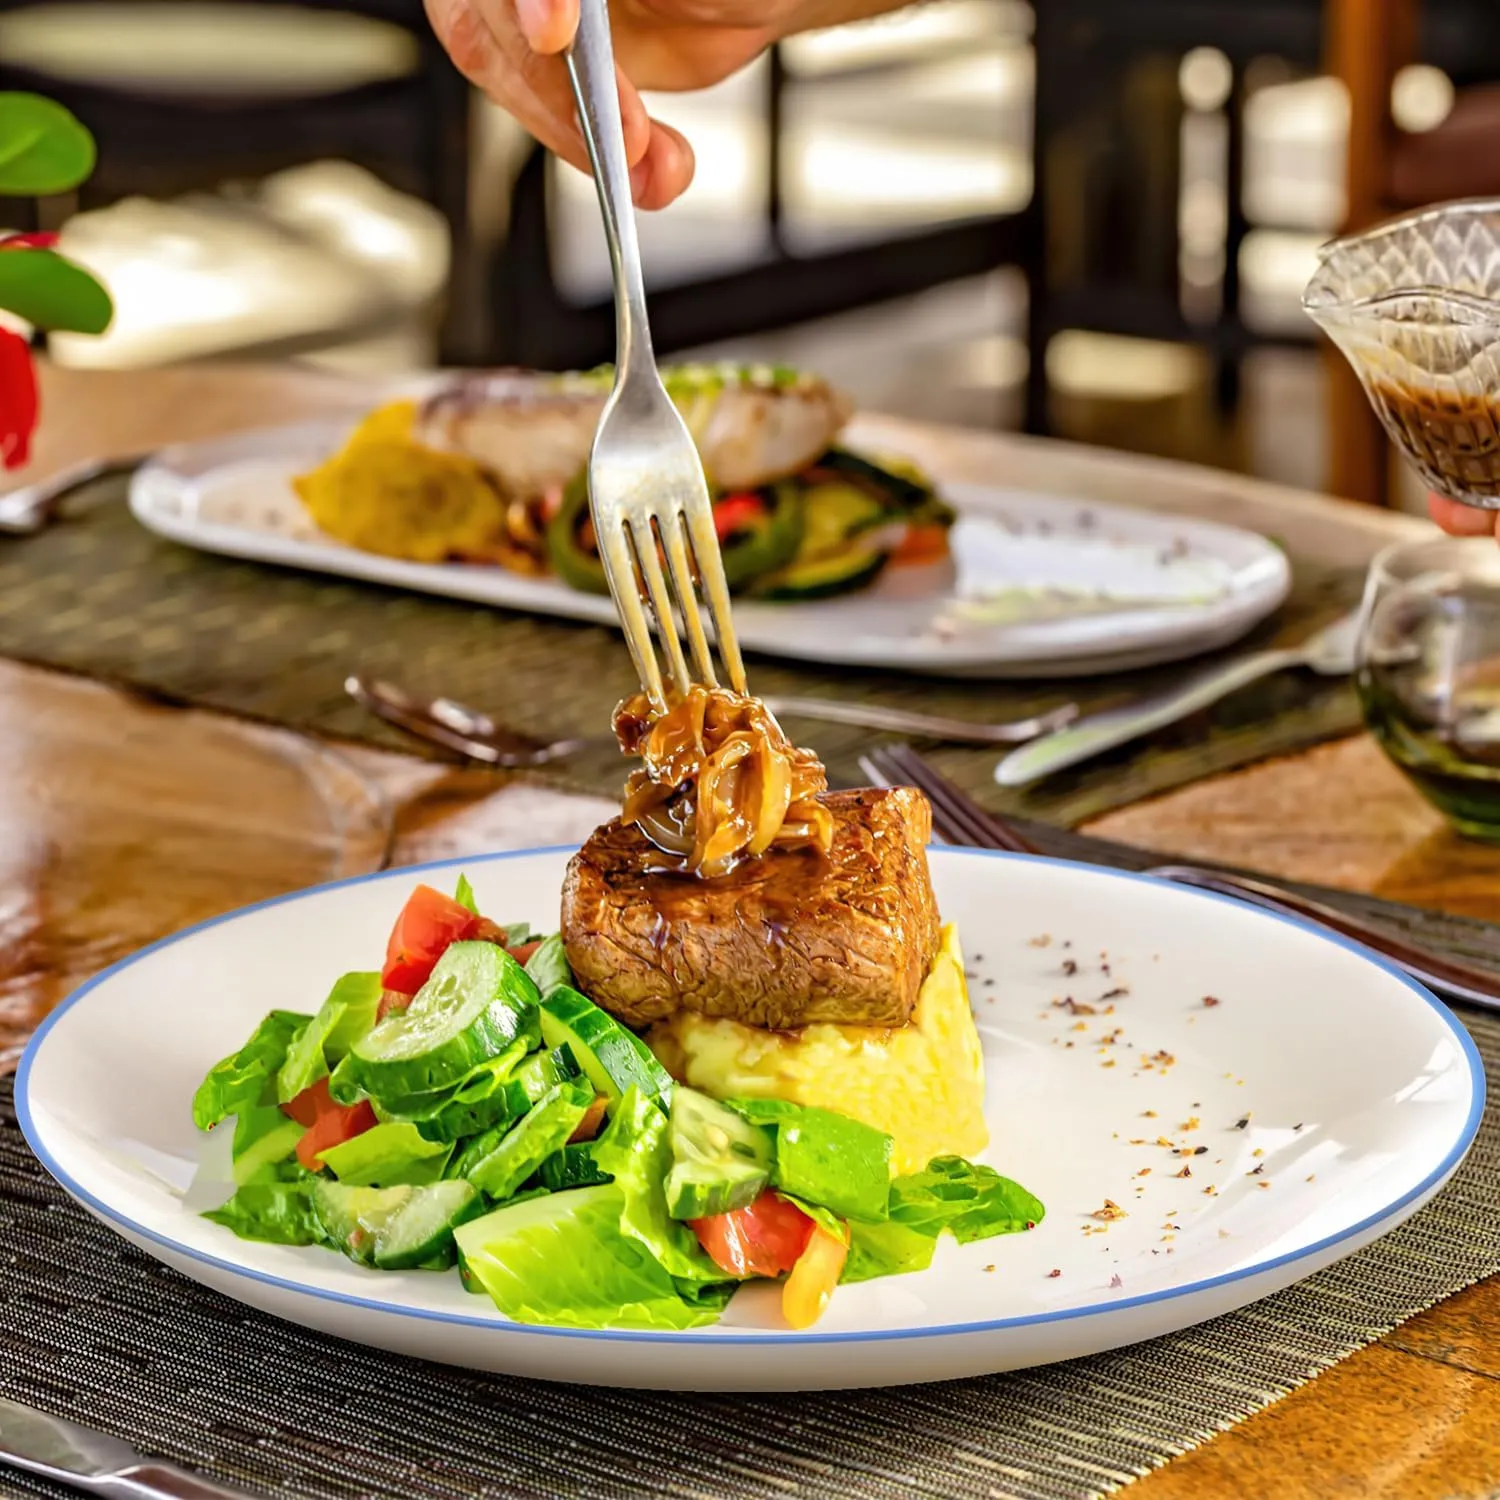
pixel 698 516
pixel 674 544
pixel 660 597
pixel 619 569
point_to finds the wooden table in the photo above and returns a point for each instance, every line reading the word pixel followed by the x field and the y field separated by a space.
pixel 121 820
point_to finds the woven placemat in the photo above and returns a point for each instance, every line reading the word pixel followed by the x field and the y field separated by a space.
pixel 99 594
pixel 94 1330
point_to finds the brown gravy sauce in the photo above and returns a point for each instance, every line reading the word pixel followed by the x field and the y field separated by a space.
pixel 719 782
pixel 1456 438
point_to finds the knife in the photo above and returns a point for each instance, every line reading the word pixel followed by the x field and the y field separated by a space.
pixel 90 1461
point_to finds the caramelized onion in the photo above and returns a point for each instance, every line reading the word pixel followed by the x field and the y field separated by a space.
pixel 719 782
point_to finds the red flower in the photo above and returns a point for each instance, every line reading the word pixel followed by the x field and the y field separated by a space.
pixel 18 400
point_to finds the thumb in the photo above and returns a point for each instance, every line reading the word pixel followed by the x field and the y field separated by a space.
pixel 547 25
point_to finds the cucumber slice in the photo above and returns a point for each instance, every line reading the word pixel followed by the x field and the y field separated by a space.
pixel 483 1100
pixel 499 1161
pixel 396 1228
pixel 538 1076
pixel 837 511
pixel 720 1161
pixel 263 1137
pixel 573 1167
pixel 478 1001
pixel 611 1057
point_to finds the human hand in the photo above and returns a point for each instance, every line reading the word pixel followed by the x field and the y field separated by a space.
pixel 512 49
pixel 1462 520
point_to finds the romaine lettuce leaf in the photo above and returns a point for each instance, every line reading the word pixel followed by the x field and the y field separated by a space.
pixel 548 966
pixel 344 1017
pixel 240 1079
pixel 828 1222
pixel 390 1155
pixel 464 895
pixel 974 1202
pixel 278 1212
pixel 635 1150
pixel 888 1249
pixel 825 1158
pixel 562 1259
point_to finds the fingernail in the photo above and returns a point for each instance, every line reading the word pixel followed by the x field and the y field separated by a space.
pixel 534 17
pixel 640 179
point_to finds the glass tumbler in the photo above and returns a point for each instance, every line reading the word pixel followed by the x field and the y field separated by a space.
pixel 1427 667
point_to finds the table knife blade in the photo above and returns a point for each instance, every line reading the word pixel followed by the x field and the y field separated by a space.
pixel 92 1461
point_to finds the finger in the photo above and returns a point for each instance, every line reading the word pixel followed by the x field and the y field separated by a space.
pixel 1460 520
pixel 547 25
pixel 663 174
pixel 633 117
pixel 488 49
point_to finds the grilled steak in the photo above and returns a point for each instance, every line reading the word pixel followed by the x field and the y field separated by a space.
pixel 786 939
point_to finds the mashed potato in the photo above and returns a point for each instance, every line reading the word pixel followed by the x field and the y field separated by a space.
pixel 922 1083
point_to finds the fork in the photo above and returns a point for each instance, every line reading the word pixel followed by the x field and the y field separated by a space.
pixel 31 507
pixel 647 487
pixel 958 819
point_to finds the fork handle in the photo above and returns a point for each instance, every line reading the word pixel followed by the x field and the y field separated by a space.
pixel 591 70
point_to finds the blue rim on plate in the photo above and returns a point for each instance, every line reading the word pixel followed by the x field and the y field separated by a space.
pixel 614 1335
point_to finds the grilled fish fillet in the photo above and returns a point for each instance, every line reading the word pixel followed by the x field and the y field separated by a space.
pixel 533 431
pixel 783 941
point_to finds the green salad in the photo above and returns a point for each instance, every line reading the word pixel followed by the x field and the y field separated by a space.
pixel 467 1107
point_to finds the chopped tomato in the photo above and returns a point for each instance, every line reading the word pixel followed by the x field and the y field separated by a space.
pixel 391 1000
pixel 428 923
pixel 808 1290
pixel 328 1124
pixel 486 931
pixel 765 1238
pixel 593 1118
pixel 733 513
pixel 522 951
pixel 340 1124
pixel 309 1104
pixel 922 544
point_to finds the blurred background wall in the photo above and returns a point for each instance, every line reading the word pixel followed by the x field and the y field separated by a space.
pixel 1087 218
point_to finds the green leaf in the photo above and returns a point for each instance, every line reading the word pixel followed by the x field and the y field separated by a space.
pixel 635 1151
pixel 389 1155
pixel 42 288
pixel 563 1259
pixel 240 1079
pixel 888 1249
pixel 973 1202
pixel 43 147
pixel 464 895
pixel 278 1212
pixel 346 1015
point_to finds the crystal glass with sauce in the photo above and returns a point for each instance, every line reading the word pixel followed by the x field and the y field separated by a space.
pixel 1414 305
pixel 1428 673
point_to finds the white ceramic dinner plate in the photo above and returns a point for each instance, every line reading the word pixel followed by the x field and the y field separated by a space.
pixel 1038 586
pixel 1322 1100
